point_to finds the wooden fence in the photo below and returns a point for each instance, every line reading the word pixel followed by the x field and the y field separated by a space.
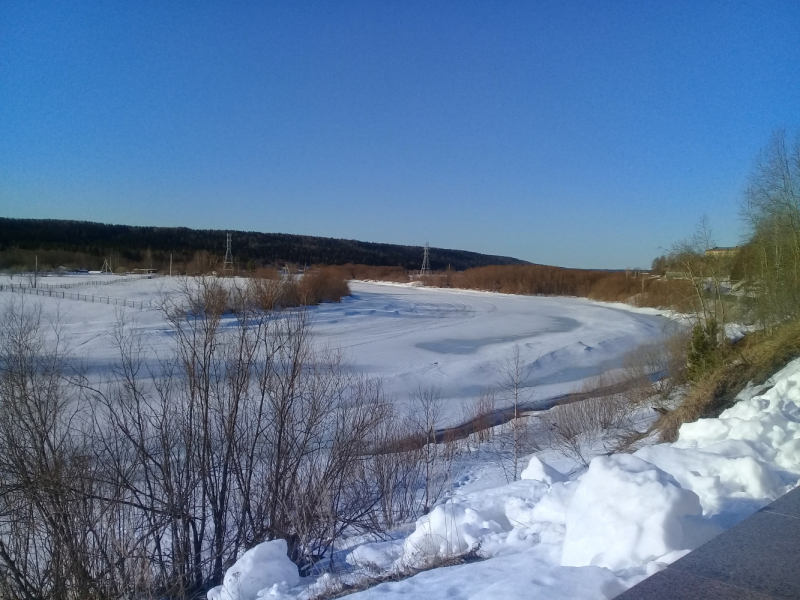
pixel 56 293
pixel 74 284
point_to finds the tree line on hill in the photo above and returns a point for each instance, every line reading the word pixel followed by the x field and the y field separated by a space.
pixel 86 244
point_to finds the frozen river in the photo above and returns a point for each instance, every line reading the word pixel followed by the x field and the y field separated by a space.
pixel 408 336
pixel 455 340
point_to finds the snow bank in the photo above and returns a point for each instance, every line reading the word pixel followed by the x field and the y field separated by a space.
pixel 263 571
pixel 376 555
pixel 622 519
pixel 539 470
pixel 497 519
pixel 449 529
pixel 625 512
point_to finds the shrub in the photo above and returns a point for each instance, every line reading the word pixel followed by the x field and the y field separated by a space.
pixel 704 350
pixel 322 284
pixel 750 361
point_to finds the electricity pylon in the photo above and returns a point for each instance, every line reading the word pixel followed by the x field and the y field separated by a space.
pixel 227 264
pixel 426 262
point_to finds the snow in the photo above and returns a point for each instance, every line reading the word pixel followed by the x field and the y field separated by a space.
pixel 261 571
pixel 539 470
pixel 624 513
pixel 451 528
pixel 623 518
pixel 453 340
pixel 561 531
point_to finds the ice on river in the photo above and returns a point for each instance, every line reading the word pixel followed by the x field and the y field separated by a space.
pixel 455 340
pixel 408 336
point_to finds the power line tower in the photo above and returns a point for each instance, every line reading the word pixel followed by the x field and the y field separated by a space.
pixel 426 261
pixel 227 264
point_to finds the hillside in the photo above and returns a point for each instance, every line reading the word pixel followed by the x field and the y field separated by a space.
pixel 85 241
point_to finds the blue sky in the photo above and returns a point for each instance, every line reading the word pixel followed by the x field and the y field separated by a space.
pixel 582 134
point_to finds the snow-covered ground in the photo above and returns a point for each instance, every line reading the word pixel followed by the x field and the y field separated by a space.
pixel 591 534
pixel 453 340
pixel 562 531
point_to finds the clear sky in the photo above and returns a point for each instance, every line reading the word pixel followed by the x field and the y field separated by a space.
pixel 584 134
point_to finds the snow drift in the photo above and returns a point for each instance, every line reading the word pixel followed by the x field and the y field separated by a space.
pixel 262 571
pixel 624 518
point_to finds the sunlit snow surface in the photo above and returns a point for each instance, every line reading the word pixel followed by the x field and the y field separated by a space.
pixel 590 534
pixel 602 529
pixel 453 340
pixel 620 520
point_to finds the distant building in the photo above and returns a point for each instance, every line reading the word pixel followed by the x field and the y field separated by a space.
pixel 722 251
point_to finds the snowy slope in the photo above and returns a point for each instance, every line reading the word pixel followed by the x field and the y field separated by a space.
pixel 596 533
pixel 625 517
pixel 589 535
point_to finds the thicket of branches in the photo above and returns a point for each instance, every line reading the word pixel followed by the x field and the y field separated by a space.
pixel 770 264
pixel 269 289
pixel 150 484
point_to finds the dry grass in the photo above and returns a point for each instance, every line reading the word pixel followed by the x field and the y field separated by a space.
pixel 338 588
pixel 753 359
pixel 608 286
pixel 270 290
pixel 480 414
pixel 370 273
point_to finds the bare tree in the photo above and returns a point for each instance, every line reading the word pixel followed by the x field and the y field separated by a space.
pixel 708 271
pixel 772 210
pixel 651 373
pixel 47 532
pixel 481 413
pixel 150 484
pixel 512 378
pixel 580 429
pixel 425 417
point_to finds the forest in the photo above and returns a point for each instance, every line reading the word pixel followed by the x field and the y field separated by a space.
pixel 83 244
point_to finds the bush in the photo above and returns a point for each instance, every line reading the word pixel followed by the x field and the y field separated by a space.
pixel 147 487
pixel 322 284
pixel 704 350
pixel 580 429
pixel 750 361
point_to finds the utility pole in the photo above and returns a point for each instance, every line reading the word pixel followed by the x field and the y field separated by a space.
pixel 170 264
pixel 35 269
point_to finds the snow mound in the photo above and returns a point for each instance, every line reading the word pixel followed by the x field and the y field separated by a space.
pixel 624 518
pixel 449 529
pixel 715 478
pixel 767 427
pixel 376 555
pixel 264 571
pixel 625 512
pixel 539 470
